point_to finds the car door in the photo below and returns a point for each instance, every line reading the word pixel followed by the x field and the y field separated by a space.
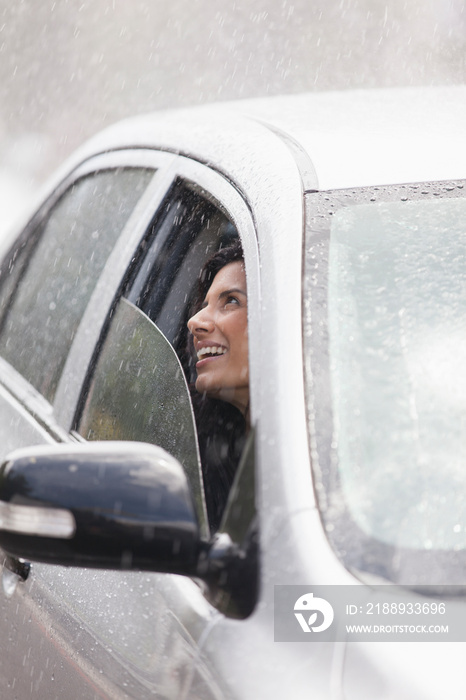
pixel 134 634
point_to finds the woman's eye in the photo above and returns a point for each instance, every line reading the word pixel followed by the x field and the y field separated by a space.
pixel 231 300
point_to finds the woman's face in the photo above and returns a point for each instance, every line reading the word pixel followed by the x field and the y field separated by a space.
pixel 220 331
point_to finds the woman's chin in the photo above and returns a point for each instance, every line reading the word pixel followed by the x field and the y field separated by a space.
pixel 237 396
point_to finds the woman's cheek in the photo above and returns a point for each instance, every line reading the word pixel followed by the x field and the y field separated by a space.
pixel 244 374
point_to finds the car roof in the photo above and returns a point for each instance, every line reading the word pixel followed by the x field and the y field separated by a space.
pixel 338 139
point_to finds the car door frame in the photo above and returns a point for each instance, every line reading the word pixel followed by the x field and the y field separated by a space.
pixel 214 187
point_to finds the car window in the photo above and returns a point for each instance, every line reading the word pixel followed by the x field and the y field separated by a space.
pixel 48 279
pixel 387 411
pixel 139 392
pixel 133 393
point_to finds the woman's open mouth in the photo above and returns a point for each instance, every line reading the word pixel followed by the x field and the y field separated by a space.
pixel 211 351
pixel 208 354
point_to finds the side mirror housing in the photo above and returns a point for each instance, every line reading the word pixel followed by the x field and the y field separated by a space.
pixel 112 505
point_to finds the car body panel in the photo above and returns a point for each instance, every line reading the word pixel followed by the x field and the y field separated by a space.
pixel 354 138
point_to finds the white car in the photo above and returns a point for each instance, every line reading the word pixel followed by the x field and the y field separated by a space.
pixel 351 211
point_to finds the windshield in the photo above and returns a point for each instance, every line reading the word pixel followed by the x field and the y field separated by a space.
pixel 385 334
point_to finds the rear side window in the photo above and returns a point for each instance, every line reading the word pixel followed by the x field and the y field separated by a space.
pixel 48 284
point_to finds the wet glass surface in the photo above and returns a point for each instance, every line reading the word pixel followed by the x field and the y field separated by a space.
pixel 385 331
pixel 138 392
pixel 57 281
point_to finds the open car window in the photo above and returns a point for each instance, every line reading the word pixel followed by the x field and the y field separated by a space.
pixel 142 383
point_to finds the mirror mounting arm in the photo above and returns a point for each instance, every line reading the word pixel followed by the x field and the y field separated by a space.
pixel 19 567
pixel 230 571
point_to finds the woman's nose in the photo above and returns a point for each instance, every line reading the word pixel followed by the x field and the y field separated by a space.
pixel 200 323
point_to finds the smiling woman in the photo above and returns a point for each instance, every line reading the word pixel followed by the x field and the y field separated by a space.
pixel 219 332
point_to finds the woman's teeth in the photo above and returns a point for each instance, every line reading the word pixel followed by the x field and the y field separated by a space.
pixel 213 350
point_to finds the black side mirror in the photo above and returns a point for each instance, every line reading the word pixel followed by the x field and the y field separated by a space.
pixel 113 505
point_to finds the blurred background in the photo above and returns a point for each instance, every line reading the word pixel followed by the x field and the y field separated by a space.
pixel 70 67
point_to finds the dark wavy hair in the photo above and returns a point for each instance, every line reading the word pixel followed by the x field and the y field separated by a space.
pixel 223 256
pixel 221 427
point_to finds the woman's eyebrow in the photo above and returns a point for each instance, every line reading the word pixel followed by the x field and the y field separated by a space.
pixel 224 294
pixel 235 290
